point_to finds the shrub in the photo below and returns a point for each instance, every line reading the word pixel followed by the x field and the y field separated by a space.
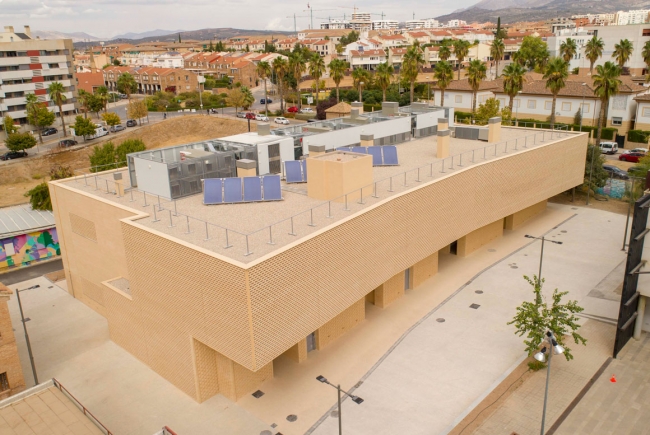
pixel 102 157
pixel 20 141
pixel 127 147
pixel 536 365
pixel 639 136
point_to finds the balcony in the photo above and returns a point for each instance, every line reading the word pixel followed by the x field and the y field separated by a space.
pixel 6 61
pixel 53 59
pixel 12 75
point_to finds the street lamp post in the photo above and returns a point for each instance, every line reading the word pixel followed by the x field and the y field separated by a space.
pixel 541 254
pixel 22 319
pixel 356 399
pixel 582 108
pixel 554 347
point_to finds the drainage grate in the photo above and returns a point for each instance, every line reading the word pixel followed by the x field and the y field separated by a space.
pixel 292 417
pixel 266 432
pixel 563 231
pixel 479 292
pixel 258 394
pixel 440 320
pixel 274 425
pixel 51 286
pixel 474 306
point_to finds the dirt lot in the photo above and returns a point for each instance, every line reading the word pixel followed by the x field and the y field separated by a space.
pixel 18 177
pixel 600 203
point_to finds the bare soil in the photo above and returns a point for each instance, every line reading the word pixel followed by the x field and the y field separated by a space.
pixel 600 202
pixel 19 176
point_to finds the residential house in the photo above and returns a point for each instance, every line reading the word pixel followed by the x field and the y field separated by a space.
pixel 324 47
pixel 151 80
pixel 396 56
pixel 90 81
pixel 459 94
pixel 389 41
pixel 421 37
pixel 366 59
pixel 642 112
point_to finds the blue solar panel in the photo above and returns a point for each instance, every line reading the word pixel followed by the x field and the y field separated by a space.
pixel 346 149
pixel 252 189
pixel 212 193
pixel 390 155
pixel 375 152
pixel 303 164
pixel 360 150
pixel 292 171
pixel 272 190
pixel 232 190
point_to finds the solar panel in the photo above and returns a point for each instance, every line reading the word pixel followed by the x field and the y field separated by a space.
pixel 390 155
pixel 360 150
pixel 346 149
pixel 252 189
pixel 272 190
pixel 293 173
pixel 232 190
pixel 212 191
pixel 375 152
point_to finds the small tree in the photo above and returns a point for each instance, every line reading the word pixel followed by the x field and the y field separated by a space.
pixel 534 319
pixel 137 110
pixel 102 157
pixel 83 127
pixel 489 109
pixel 577 118
pixel 20 141
pixel 127 147
pixel 38 115
pixel 9 125
pixel 235 98
pixel 127 85
pixel 95 104
pixel 595 171
pixel 39 196
pixel 111 119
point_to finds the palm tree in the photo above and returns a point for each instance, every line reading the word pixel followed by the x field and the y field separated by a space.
pixel 83 98
pixel 360 75
pixel 263 71
pixel 496 51
pixel 555 74
pixel 445 52
pixel 606 84
pixel 384 75
pixel 316 70
pixel 411 64
pixel 444 74
pixel 622 52
pixel 568 49
pixel 102 93
pixel 337 69
pixel 513 81
pixel 297 66
pixel 461 49
pixel 56 91
pixel 593 50
pixel 645 53
pixel 476 73
pixel 126 84
pixel 280 68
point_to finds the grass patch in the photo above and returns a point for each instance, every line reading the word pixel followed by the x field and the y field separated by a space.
pixel 536 365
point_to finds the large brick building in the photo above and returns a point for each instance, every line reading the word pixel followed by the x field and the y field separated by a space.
pixel 212 297
pixel 11 373
pixel 151 80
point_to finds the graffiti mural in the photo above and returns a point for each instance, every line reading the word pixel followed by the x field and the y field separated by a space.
pixel 27 248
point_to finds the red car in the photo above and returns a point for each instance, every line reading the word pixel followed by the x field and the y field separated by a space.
pixel 250 115
pixel 292 109
pixel 631 157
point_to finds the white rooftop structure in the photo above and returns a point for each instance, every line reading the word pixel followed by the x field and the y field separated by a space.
pixel 21 219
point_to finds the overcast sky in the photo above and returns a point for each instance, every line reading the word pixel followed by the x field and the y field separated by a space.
pixel 106 18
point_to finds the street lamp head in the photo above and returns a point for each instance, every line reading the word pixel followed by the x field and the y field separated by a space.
pixel 557 348
pixel 540 356
pixel 321 378
pixel 356 399
pixel 528 236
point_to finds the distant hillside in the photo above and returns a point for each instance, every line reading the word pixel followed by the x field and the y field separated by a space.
pixel 512 11
pixel 75 36
pixel 201 35
pixel 151 33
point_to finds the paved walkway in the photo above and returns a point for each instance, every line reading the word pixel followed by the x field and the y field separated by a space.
pixel 619 408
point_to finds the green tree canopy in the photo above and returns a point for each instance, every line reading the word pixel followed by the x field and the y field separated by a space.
pixel 83 127
pixel 111 119
pixel 9 126
pixel 127 147
pixel 20 141
pixel 127 85
pixel 38 115
pixel 533 53
pixel 593 50
pixel 39 196
pixel 102 157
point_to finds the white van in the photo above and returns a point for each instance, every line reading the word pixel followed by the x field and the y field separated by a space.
pixel 99 132
pixel 608 147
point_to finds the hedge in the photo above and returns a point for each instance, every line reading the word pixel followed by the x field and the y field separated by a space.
pixel 639 136
pixel 371 107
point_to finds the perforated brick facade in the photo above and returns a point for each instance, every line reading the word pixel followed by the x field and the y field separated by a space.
pixel 9 360
pixel 189 306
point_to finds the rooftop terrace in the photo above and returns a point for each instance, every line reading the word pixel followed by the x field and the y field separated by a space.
pixel 247 232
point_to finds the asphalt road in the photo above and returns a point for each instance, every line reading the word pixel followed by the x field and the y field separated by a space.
pixel 31 272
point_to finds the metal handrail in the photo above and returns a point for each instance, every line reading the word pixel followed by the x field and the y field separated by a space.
pixel 83 408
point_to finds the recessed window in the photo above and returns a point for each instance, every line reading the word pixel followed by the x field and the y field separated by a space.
pixel 646 112
pixel 4 382
pixel 548 105
pixel 646 32
pixel 585 108
pixel 566 107
pixel 617 121
pixel 532 104
pixel 459 98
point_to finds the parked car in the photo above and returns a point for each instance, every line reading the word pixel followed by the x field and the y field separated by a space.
pixel 616 172
pixel 631 157
pixel 49 131
pixel 241 114
pixel 261 117
pixel 131 123
pixel 250 115
pixel 281 120
pixel 307 110
pixel 608 147
pixel 116 128
pixel 264 101
pixel 123 96
pixel 636 150
pixel 13 155
pixel 292 109
pixel 67 142
pixel 637 171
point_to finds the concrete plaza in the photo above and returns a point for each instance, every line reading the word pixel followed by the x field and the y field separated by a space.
pixel 416 373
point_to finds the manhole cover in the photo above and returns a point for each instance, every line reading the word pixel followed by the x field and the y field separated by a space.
pixel 274 425
pixel 574 208
pixel 440 320
pixel 334 414
pixel 474 306
pixel 563 231
pixel 51 286
pixel 292 418
pixel 258 394
pixel 478 292
pixel 492 250
pixel 266 432
pixel 514 267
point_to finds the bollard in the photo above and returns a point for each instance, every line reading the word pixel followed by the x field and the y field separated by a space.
pixel 85 180
pixel 418 179
pixel 96 187
pixel 484 149
pixel 346 203
pixel 361 200
pixel 292 233
pixel 159 206
pixel 506 150
pixel 443 166
pixel 374 191
pixel 404 178
pixel 431 170
pixel 473 156
pixel 270 242
pixel 107 186
pixel 390 188
pixel 329 209
pixel 461 160
pixel 145 199
pixel 175 210
pixel 452 163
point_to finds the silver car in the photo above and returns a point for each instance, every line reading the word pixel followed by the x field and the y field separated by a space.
pixel 116 128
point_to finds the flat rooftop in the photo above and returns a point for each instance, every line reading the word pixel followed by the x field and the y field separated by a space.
pixel 257 229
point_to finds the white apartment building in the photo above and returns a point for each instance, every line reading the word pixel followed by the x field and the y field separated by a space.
pixel 427 23
pixel 366 59
pixel 580 36
pixel 637 34
pixel 632 17
pixel 385 24
pixel 29 66
pixel 414 24
pixel 335 24
pixel 361 16
pixel 456 23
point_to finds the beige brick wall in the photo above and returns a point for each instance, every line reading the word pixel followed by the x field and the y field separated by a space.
pixel 389 291
pixel 297 352
pixel 477 238
pixel 424 269
pixel 341 324
pixel 517 219
pixel 9 360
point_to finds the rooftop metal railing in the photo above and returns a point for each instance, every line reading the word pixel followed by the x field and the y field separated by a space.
pixel 86 412
pixel 166 212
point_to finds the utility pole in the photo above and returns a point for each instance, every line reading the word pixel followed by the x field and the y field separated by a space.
pixel 295 27
pixel 311 14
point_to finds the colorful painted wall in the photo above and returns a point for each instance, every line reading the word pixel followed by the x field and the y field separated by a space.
pixel 25 249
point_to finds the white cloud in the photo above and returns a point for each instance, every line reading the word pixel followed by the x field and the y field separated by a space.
pixel 278 24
